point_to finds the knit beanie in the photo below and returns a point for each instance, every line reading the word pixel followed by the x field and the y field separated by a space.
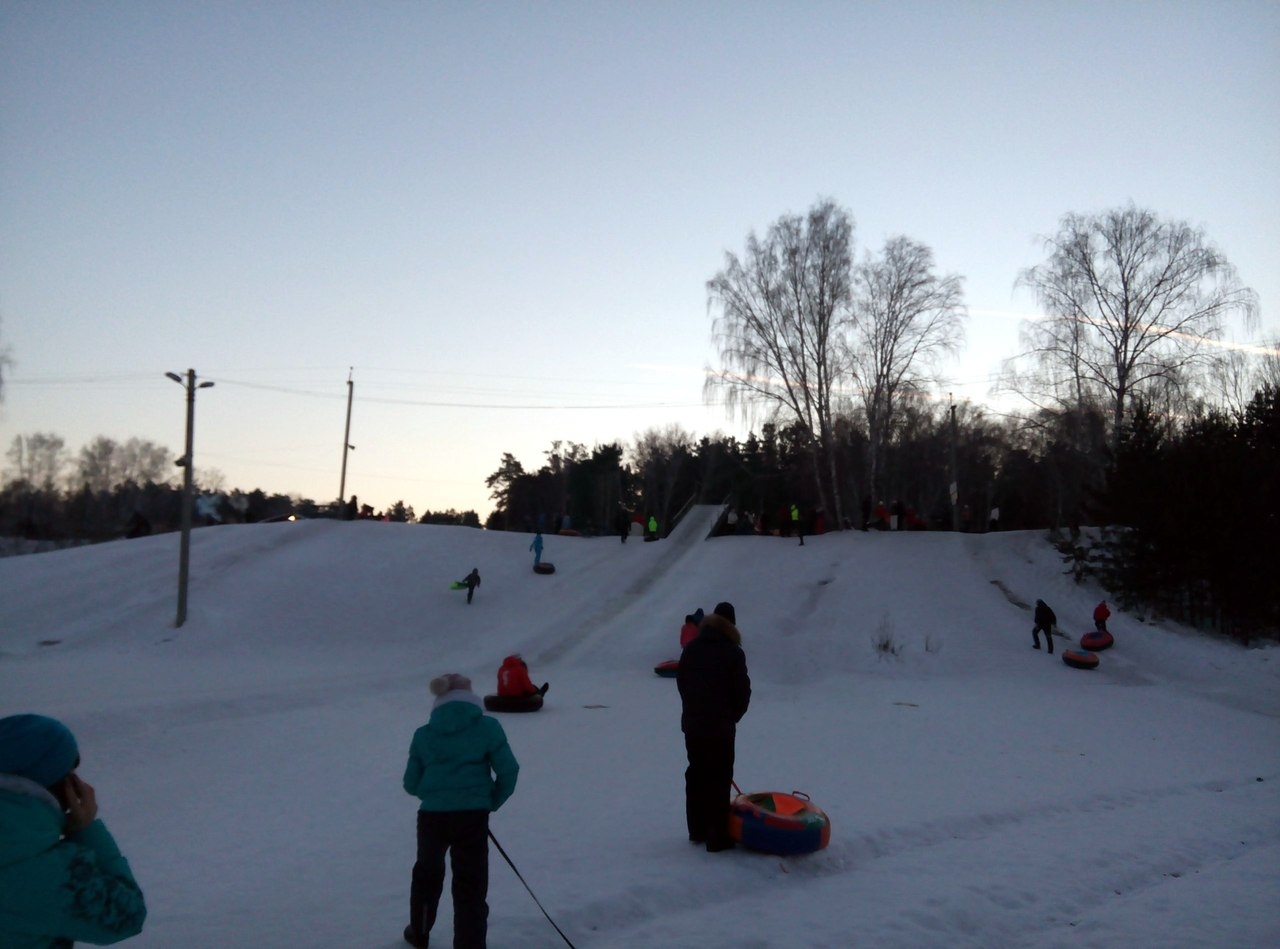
pixel 37 747
pixel 726 610
pixel 698 615
pixel 450 682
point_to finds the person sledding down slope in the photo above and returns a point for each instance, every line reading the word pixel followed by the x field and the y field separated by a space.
pixel 62 877
pixel 514 681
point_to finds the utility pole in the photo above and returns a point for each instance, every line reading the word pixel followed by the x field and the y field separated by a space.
pixel 184 550
pixel 346 439
pixel 955 487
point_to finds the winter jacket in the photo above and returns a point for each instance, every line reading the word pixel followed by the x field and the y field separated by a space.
pixel 56 890
pixel 1101 613
pixel 714 686
pixel 1045 618
pixel 460 759
pixel 472 580
pixel 513 678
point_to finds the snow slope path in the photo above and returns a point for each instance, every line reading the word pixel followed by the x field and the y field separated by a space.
pixel 981 793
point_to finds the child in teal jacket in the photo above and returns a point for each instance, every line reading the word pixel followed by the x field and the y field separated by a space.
pixel 461 768
pixel 62 877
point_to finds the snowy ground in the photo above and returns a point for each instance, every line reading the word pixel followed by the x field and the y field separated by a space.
pixel 981 794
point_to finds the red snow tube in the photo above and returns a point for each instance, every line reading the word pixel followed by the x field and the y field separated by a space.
pixel 774 822
pixel 1080 660
pixel 544 567
pixel 1097 641
pixel 667 668
pixel 513 703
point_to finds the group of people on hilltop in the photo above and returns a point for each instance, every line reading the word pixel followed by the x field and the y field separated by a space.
pixel 1046 622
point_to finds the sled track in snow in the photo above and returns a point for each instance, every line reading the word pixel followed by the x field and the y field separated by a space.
pixel 680 543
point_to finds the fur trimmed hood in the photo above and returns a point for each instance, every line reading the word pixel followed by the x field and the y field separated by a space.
pixel 717 623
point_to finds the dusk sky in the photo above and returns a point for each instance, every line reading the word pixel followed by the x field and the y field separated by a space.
pixel 503 215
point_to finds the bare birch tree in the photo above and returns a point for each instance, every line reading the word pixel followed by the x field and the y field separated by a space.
pixel 1129 300
pixel 782 308
pixel 907 318
pixel 37 459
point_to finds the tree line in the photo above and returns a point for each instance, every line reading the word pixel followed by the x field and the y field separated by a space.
pixel 111 489
pixel 1135 388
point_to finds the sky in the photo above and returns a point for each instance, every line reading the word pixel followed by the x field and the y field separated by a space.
pixel 499 219
pixel 980 793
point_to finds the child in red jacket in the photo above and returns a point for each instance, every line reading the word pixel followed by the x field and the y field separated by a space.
pixel 1100 616
pixel 513 679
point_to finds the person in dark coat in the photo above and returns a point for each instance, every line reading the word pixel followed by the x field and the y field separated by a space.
pixel 1045 621
pixel 715 691
pixel 472 580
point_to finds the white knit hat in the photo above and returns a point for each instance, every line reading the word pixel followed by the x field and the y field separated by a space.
pixel 450 682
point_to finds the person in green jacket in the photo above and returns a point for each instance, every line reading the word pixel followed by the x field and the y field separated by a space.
pixel 461 768
pixel 62 877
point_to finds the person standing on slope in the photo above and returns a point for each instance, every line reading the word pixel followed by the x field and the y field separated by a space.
pixel 62 877
pixel 461 768
pixel 536 547
pixel 715 690
pixel 1101 613
pixel 1046 620
pixel 690 628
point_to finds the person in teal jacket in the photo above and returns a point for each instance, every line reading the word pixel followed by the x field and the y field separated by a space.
pixel 461 768
pixel 62 878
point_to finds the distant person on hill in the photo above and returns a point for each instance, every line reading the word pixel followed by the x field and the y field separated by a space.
pixel 1045 621
pixel 796 528
pixel 880 519
pixel 993 522
pixel 653 527
pixel 622 523
pixel 715 691
pixel 536 547
pixel 514 681
pixel 461 768
pixel 471 581
pixel 1101 613
pixel 690 628
pixel 63 879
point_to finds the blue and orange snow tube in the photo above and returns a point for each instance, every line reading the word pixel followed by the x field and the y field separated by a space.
pixel 775 822
pixel 1097 641
pixel 1080 660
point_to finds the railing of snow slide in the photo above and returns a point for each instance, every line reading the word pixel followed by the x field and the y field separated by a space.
pixel 676 518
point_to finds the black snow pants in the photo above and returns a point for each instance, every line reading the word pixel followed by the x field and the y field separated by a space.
pixel 1048 635
pixel 465 835
pixel 706 788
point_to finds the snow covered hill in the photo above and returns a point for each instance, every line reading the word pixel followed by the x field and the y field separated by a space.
pixel 981 793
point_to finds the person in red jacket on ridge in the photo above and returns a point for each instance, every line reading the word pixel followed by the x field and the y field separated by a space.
pixel 514 681
pixel 1100 616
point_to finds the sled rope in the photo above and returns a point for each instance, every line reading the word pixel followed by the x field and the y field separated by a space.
pixel 526 886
